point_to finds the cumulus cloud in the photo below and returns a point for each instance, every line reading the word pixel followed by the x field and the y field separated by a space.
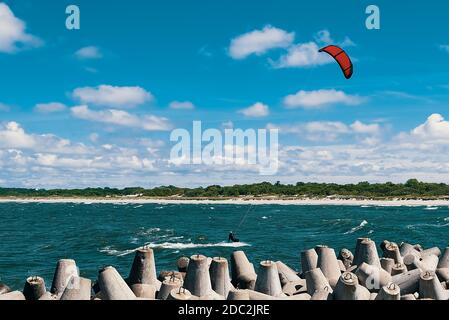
pixel 113 96
pixel 185 105
pixel 90 52
pixel 259 42
pixel 307 54
pixel 257 110
pixel 302 55
pixel 43 160
pixel 13 35
pixel 434 130
pixel 122 118
pixel 50 107
pixel 324 37
pixel 329 131
pixel 320 98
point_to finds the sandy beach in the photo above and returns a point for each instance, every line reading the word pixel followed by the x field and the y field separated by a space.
pixel 298 202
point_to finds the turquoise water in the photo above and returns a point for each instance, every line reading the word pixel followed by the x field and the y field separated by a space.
pixel 34 236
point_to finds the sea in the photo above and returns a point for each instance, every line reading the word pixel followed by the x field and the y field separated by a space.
pixel 34 236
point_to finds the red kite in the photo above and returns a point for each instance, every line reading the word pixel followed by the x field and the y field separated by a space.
pixel 341 57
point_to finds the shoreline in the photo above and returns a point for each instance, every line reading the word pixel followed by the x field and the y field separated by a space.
pixel 236 201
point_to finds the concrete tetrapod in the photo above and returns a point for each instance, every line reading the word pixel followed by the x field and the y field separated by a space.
pixel 77 289
pixel 197 279
pixel 34 288
pixel 389 292
pixel 144 291
pixel 406 248
pixel 291 283
pixel 143 269
pixel 327 262
pixel 167 286
pixel 431 251
pixel 356 261
pixel 346 257
pixel 237 294
pixel 430 287
pixel 372 277
pixel 180 294
pixel 182 264
pixel 13 295
pixel 387 264
pixel 367 252
pixel 309 260
pixel 443 274
pixel 348 288
pixel 323 294
pixel 219 276
pixel 112 285
pixel 444 259
pixel 4 288
pixel 243 274
pixel 426 263
pixel 316 281
pixel 398 268
pixel 268 281
pixel 286 274
pixel 408 282
pixel 65 270
pixel 392 251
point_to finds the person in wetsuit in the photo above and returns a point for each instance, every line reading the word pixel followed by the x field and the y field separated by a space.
pixel 232 237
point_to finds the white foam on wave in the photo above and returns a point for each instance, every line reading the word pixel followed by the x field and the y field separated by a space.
pixel 139 206
pixel 365 206
pixel 173 246
pixel 430 208
pixel 264 217
pixel 360 226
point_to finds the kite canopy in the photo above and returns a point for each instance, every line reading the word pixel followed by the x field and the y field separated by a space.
pixel 341 57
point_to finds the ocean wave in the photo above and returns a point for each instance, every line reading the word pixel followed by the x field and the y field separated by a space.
pixel 446 219
pixel 139 206
pixel 264 217
pixel 365 206
pixel 430 208
pixel 426 225
pixel 359 227
pixel 174 246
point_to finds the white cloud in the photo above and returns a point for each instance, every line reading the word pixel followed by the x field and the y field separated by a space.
pixel 113 96
pixel 90 52
pixel 186 105
pixel 257 110
pixel 307 54
pixel 50 107
pixel 302 55
pixel 122 118
pixel 435 129
pixel 259 41
pixel 4 107
pixel 13 35
pixel 362 128
pixel 320 98
pixel 329 131
pixel 324 37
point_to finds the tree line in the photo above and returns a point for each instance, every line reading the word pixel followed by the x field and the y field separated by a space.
pixel 411 189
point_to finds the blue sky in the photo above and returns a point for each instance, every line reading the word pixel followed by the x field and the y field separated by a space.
pixel 220 62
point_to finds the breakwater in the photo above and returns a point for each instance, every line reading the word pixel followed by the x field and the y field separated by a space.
pixel 400 272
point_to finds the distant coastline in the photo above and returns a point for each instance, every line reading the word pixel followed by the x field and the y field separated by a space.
pixel 232 201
